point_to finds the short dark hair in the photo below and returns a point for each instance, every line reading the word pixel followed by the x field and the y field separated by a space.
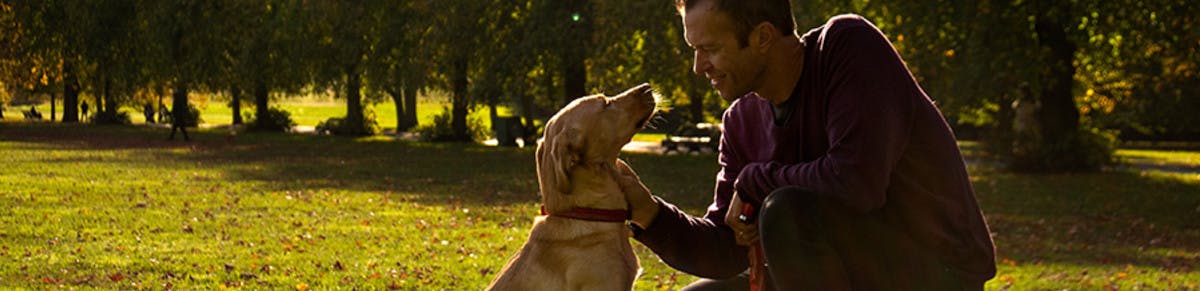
pixel 745 14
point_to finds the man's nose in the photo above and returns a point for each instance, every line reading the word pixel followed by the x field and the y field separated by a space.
pixel 700 64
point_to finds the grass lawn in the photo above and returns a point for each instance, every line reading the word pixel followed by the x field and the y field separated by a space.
pixel 120 208
pixel 305 111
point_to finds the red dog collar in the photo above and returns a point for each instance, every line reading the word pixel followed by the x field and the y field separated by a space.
pixel 592 214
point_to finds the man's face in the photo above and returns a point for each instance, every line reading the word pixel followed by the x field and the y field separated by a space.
pixel 732 70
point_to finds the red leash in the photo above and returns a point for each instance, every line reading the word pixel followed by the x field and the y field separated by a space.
pixel 758 262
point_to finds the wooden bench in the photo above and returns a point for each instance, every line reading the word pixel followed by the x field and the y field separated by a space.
pixel 693 138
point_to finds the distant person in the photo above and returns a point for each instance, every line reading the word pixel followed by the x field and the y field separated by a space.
pixel 179 122
pixel 83 109
pixel 33 113
pixel 148 112
pixel 1025 124
pixel 162 112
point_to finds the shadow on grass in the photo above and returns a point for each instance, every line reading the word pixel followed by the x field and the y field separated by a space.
pixel 1114 218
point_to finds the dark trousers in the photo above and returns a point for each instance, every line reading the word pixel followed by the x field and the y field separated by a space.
pixel 175 127
pixel 812 242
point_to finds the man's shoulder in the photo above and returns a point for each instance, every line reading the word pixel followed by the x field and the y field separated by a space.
pixel 751 102
pixel 837 26
pixel 846 21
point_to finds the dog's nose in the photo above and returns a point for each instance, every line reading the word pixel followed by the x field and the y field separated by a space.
pixel 643 89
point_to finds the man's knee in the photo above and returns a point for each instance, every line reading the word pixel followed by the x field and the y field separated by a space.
pixel 791 208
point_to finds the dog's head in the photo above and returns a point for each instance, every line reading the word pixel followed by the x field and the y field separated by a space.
pixel 582 142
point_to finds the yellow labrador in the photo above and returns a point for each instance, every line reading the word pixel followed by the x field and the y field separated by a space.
pixel 582 243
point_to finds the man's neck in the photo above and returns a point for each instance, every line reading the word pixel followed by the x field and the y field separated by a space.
pixel 786 61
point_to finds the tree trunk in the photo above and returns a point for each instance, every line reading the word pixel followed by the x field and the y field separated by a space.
pixel 406 106
pixel 354 122
pixel 235 103
pixel 52 109
pixel 110 104
pixel 162 107
pixel 180 115
pixel 261 99
pixel 70 93
pixel 1059 116
pixel 573 56
pixel 410 104
pixel 696 97
pixel 398 101
pixel 527 114
pixel 574 75
pixel 459 102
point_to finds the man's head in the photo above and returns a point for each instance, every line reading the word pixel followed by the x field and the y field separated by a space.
pixel 731 39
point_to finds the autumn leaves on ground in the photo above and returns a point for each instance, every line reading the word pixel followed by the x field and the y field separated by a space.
pixel 86 207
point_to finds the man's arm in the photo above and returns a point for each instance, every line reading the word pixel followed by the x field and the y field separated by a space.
pixel 703 247
pixel 870 105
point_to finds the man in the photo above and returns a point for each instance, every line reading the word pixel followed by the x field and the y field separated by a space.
pixel 834 163
pixel 180 120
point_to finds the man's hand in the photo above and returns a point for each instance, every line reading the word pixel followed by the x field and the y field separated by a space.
pixel 744 233
pixel 642 207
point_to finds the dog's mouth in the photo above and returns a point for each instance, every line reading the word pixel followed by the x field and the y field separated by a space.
pixel 645 121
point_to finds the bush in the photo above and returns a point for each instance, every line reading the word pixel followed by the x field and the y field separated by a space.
pixel 441 131
pixel 339 126
pixel 192 119
pixel 108 117
pixel 277 120
pixel 1088 150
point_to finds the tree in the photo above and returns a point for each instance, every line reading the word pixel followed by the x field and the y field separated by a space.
pixel 178 51
pixel 400 64
pixel 43 47
pixel 459 30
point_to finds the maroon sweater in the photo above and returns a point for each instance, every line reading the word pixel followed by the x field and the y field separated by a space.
pixel 858 128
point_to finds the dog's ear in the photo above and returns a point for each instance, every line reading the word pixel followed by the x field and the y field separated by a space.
pixel 557 154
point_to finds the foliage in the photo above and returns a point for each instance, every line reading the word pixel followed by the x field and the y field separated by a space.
pixel 339 126
pixel 1113 65
pixel 277 120
pixel 1092 150
pixel 111 117
pixel 191 119
pixel 440 129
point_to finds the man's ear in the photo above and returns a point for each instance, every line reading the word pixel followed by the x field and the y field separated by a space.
pixel 557 154
pixel 763 36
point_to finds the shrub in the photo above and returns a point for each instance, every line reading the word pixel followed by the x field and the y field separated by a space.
pixel 278 120
pixel 192 119
pixel 1088 150
pixel 339 126
pixel 109 117
pixel 441 131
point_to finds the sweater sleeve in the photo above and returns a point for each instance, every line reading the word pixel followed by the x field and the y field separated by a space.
pixel 705 246
pixel 699 246
pixel 868 119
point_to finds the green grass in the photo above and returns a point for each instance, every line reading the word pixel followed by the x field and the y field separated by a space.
pixel 304 111
pixel 120 208
pixel 649 137
pixel 310 113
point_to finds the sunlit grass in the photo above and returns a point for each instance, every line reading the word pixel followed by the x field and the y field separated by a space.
pixel 119 208
pixel 308 111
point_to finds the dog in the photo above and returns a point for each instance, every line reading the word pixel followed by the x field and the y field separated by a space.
pixel 581 241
